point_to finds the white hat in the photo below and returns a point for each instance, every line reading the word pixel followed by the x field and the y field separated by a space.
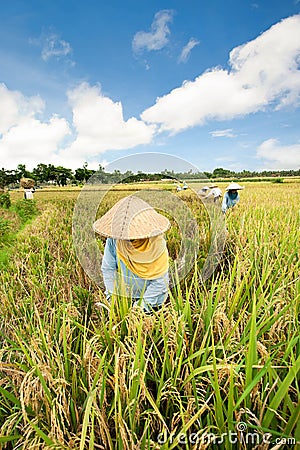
pixel 234 187
pixel 131 218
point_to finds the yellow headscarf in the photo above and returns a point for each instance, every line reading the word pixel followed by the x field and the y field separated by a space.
pixel 147 258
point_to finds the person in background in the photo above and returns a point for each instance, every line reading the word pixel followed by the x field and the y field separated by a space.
pixel 28 194
pixel 28 185
pixel 231 196
pixel 203 190
pixel 214 192
pixel 182 188
pixel 135 262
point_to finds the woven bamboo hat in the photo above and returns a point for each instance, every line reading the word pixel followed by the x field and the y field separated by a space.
pixel 234 187
pixel 27 183
pixel 131 218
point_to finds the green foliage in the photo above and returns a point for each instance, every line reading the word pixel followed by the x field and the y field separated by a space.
pixel 5 200
pixel 4 227
pixel 26 209
pixel 83 174
pixel 61 176
pixel 222 173
pixel 7 177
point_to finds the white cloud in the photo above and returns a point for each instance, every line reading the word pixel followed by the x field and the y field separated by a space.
pixel 14 106
pixel 185 53
pixel 100 126
pixel 24 138
pixel 157 38
pixel 264 72
pixel 32 140
pixel 279 157
pixel 223 133
pixel 55 47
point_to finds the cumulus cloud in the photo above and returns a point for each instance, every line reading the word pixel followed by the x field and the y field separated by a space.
pixel 185 52
pixel 14 107
pixel 223 133
pixel 279 157
pixel 24 138
pixel 157 37
pixel 99 124
pixel 33 140
pixel 263 73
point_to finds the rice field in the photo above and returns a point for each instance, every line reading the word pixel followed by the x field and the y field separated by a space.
pixel 217 367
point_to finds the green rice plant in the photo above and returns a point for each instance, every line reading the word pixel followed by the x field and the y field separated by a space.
pixel 25 209
pixel 4 227
pixel 5 201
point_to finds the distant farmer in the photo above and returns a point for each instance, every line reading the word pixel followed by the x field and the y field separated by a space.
pixel 203 190
pixel 182 188
pixel 135 260
pixel 28 185
pixel 214 192
pixel 28 194
pixel 231 196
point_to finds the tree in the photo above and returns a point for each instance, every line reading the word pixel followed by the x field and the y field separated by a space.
pixel 23 172
pixel 80 175
pixel 7 177
pixel 62 175
pixel 3 179
pixel 83 174
pixel 127 175
pixel 42 173
pixel 116 176
pixel 222 173
pixel 51 173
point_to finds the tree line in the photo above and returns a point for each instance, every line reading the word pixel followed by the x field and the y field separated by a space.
pixel 61 176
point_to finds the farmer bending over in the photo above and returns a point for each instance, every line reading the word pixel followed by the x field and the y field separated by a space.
pixel 214 192
pixel 231 196
pixel 135 260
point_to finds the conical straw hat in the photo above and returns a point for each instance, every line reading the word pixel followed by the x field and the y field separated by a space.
pixel 27 183
pixel 131 218
pixel 234 186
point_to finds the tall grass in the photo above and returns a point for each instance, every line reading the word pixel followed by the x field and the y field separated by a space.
pixel 219 353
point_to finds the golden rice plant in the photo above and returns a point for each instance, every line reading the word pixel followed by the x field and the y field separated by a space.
pixel 79 373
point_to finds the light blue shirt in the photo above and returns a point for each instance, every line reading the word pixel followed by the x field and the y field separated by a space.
pixel 229 200
pixel 146 293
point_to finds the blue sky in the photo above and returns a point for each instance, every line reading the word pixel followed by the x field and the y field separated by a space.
pixel 216 83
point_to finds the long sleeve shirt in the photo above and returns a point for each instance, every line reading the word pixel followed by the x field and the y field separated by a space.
pixel 118 279
pixel 215 193
pixel 229 201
